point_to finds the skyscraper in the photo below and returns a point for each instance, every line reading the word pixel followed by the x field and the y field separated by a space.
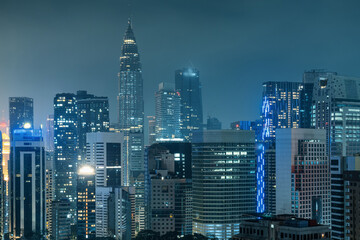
pixel 280 109
pixel 167 109
pixel 187 84
pixel 104 152
pixel 130 97
pixel 21 111
pixel 224 181
pixel 336 108
pixel 60 222
pixel 49 134
pixel 310 78
pixel 302 174
pixel 66 148
pixel 352 209
pixel 92 116
pixel 86 202
pixel 151 130
pixel 131 122
pixel 27 184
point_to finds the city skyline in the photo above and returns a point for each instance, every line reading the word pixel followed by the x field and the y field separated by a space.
pixel 87 45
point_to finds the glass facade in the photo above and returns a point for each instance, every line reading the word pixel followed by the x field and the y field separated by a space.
pixel 167 109
pixel 224 181
pixel 66 148
pixel 188 86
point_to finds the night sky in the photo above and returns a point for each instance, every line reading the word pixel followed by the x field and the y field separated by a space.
pixel 47 47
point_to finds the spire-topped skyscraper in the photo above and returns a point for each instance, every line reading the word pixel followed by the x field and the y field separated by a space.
pixel 131 123
pixel 130 98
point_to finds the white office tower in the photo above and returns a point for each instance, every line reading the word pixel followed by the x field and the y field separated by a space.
pixel 104 151
pixel 302 174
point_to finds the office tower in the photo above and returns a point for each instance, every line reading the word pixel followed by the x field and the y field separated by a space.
pixel 119 216
pixel 49 134
pixel 104 152
pixel 213 123
pixel 282 227
pixel 131 120
pixel 2 192
pixel 86 202
pixel 310 78
pixel 66 150
pixel 187 84
pixel 224 181
pixel 169 164
pixel 21 112
pixel 50 190
pixel 352 201
pixel 336 108
pixel 302 174
pixel 5 152
pixel 281 106
pixel 167 110
pixel 280 109
pixel 27 184
pixel 130 97
pixel 178 152
pixel 170 208
pixel 92 116
pixel 151 130
pixel 338 167
pixel 61 221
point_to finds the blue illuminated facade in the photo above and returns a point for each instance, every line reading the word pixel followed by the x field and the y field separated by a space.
pixel 280 109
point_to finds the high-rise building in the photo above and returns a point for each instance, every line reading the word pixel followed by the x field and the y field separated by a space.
pixel 167 109
pixel 352 201
pixel 171 209
pixel 49 134
pixel 306 94
pixel 21 112
pixel 280 109
pixel 178 153
pixel 336 108
pixel 151 130
pixel 5 154
pixel 302 174
pixel 213 123
pixel 50 190
pixel 131 121
pixel 104 152
pixel 27 184
pixel 92 116
pixel 86 202
pixel 66 148
pixel 130 97
pixel 2 192
pixel 187 84
pixel 224 181
pixel 339 165
pixel 119 213
pixel 61 221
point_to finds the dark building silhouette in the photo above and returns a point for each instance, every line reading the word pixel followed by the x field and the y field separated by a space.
pixel 92 116
pixel 21 111
pixel 86 218
pixel 27 184
pixel 178 153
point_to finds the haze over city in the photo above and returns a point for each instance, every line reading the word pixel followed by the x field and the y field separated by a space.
pixel 65 46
